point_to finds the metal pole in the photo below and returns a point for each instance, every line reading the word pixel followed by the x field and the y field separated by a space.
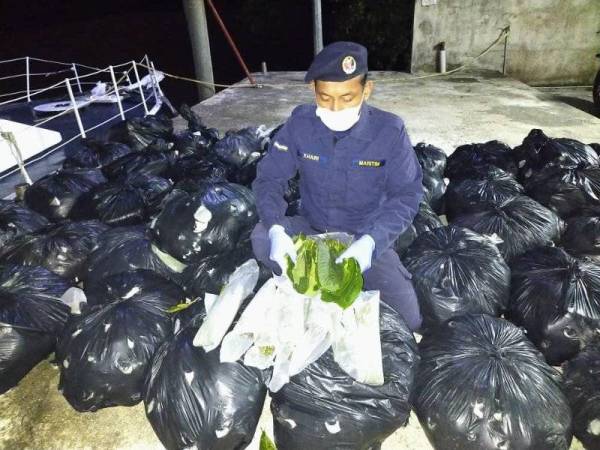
pixel 126 75
pixel 317 26
pixel 195 13
pixel 137 77
pixel 152 73
pixel 77 78
pixel 116 87
pixel 75 109
pixel 231 43
pixel 27 72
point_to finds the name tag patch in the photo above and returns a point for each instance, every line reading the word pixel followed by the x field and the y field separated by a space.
pixel 312 157
pixel 368 163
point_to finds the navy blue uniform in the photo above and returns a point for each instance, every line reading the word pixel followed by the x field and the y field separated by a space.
pixel 367 182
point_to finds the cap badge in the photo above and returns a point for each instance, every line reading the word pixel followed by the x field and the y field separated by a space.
pixel 349 65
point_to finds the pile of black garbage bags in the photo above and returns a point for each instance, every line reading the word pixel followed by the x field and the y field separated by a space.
pixel 509 286
pixel 106 262
pixel 105 265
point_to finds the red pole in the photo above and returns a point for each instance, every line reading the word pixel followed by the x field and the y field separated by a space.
pixel 231 43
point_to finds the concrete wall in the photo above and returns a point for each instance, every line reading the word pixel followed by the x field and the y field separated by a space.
pixel 551 41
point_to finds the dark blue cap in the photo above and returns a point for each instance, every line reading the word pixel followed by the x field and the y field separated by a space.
pixel 339 61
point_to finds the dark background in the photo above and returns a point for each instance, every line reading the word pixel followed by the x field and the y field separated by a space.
pixel 100 33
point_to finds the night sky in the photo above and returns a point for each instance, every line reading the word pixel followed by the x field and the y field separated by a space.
pixel 106 32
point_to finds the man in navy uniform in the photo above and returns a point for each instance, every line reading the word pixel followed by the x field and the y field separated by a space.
pixel 358 174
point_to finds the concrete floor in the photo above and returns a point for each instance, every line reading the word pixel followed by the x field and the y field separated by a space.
pixel 447 112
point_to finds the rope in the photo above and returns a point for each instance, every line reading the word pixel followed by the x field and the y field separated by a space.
pixel 503 34
pixel 16 151
pixel 31 58
pixel 57 85
pixel 45 74
pixel 12 60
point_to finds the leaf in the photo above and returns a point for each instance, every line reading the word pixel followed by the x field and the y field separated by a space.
pixel 180 307
pixel 265 442
pixel 316 271
pixel 303 273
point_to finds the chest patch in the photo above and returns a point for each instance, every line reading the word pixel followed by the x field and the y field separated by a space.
pixel 313 157
pixel 368 163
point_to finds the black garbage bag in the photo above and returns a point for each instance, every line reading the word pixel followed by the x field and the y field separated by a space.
pixel 482 385
pixel 94 154
pixel 195 124
pixel 31 317
pixel 124 249
pixel 54 195
pixel 16 220
pixel 495 187
pixel 568 192
pixel 212 272
pixel 596 147
pixel 21 349
pixel 582 237
pixel 434 188
pixel 30 298
pixel 188 143
pixel 194 121
pixel 153 190
pixel 122 286
pixel 556 298
pixel 425 220
pixel 582 388
pixel 60 248
pixel 104 354
pixel 146 162
pixel 432 159
pixel 115 204
pixel 193 169
pixel 520 222
pixel 140 132
pixel 324 408
pixel 241 148
pixel 194 400
pixel 292 196
pixel 469 160
pixel 539 151
pixel 456 271
pixel 209 222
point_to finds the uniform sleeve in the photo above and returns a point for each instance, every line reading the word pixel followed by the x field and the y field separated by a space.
pixel 272 175
pixel 404 191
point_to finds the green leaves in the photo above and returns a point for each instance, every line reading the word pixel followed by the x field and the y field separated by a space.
pixel 304 273
pixel 316 271
pixel 265 442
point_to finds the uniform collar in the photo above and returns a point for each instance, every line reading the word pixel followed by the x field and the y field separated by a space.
pixel 361 130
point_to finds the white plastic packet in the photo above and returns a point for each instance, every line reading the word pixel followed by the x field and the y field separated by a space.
pixel 288 331
pixel 357 344
pixel 223 310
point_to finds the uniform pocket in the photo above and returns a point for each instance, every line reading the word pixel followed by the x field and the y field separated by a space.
pixel 365 186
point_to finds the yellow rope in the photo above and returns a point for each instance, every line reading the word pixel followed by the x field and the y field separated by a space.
pixel 503 34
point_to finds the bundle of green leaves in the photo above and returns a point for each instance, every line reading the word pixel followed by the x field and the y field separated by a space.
pixel 316 271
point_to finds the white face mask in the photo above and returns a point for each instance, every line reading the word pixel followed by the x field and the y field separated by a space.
pixel 339 120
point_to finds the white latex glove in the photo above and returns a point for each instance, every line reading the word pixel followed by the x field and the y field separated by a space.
pixel 281 245
pixel 361 250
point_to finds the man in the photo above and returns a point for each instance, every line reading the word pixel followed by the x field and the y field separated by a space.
pixel 358 174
